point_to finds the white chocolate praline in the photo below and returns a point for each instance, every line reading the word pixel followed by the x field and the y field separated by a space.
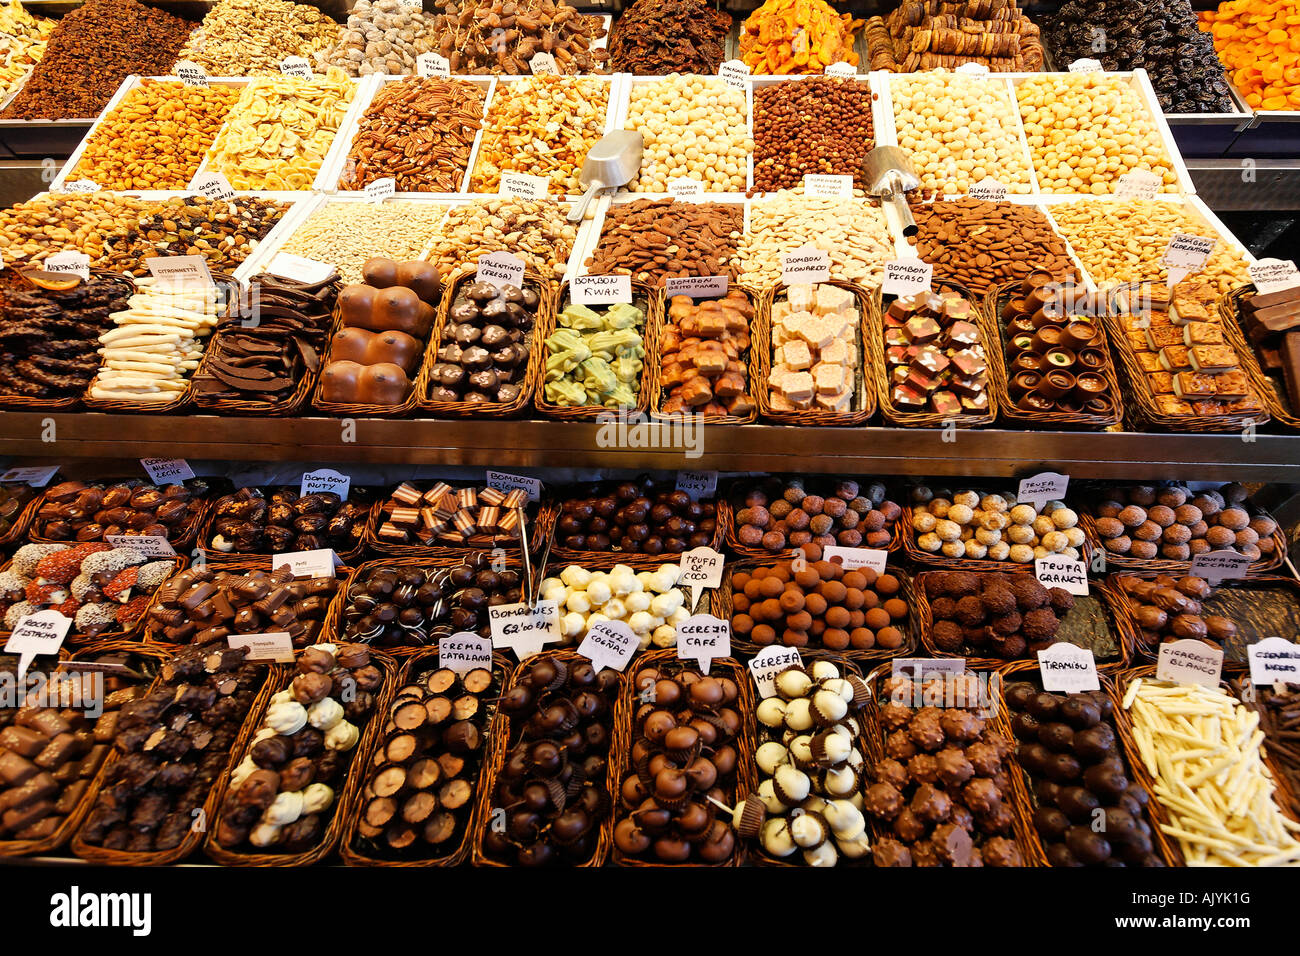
pixel 282 697
pixel 578 601
pixel 769 756
pixel 793 783
pixel 262 733
pixel 767 794
pixel 575 576
pixel 855 848
pixel 824 670
pixel 814 804
pixel 641 622
pixel 284 809
pixel 801 748
pixel 837 685
pixel 776 839
pixel 664 604
pixel 845 819
pixel 244 770
pixel 637 601
pixel 841 781
pixel 623 582
pixel 830 706
pixel 264 835
pixel 792 683
pixel 286 717
pixel 771 712
pixel 807 831
pixel 665 635
pixel 342 736
pixel 572 624
pixel 798 714
pixel 821 856
pixel 325 713
pixel 599 592
pixel 837 748
pixel 317 797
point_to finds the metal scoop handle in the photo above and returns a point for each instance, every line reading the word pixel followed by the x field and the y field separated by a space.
pixel 580 207
pixel 904 213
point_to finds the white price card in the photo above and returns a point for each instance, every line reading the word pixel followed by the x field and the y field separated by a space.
pixel 1066 668
pixel 523 629
pixel 500 268
pixel 1274 660
pixel 37 476
pixel 504 481
pixel 317 563
pixel 543 63
pixel 37 634
pixel 827 186
pixel 700 568
pixel 432 64
pixel 1216 566
pixel 703 638
pixel 70 262
pixel 1138 184
pixel 609 644
pixel 840 69
pixel 380 189
pixel 1190 662
pixel 212 185
pixel 697 287
pixel 854 558
pixel 1062 571
pixel 919 667
pixel 1039 489
pixel 521 186
pixel 1186 253
pixel 697 484
pixel 1086 65
pixel 299 268
pixel 180 271
pixel 600 290
pixel 326 481
pixel 683 187
pixel 807 264
pixel 150 545
pixel 769 662
pixel 81 186
pixel 1273 275
pixel 735 73
pixel 989 189
pixel 463 652
pixel 973 69
pixel 906 277
pixel 296 66
pixel 274 646
pixel 167 471
pixel 190 73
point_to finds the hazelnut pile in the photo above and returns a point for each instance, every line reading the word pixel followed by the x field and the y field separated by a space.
pixel 635 517
pixel 821 605
pixel 811 768
pixel 780 514
pixel 74 510
pixel 1175 523
pixel 1171 609
pixel 551 787
pixel 282 793
pixel 993 527
pixel 1005 615
pixel 683 753
pixel 944 782
pixel 1089 813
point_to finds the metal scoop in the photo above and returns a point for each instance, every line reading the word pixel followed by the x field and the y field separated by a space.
pixel 889 174
pixel 613 161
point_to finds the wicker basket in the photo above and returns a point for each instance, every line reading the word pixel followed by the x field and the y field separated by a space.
pixel 618 748
pixel 1024 836
pixel 542 522
pixel 333 626
pixel 345 802
pixel 734 500
pixel 1108 600
pixel 230 288
pixel 223 558
pixel 536 353
pixel 757 854
pixel 181 540
pixel 22 521
pixel 1139 386
pixel 1124 724
pixel 493 741
pixel 290 404
pixel 654 363
pixel 30 403
pixel 651 302
pixel 1021 779
pixel 940 560
pixel 864 382
pixel 1140 653
pixel 73 820
pixel 1274 399
pixel 639 561
pixel 1097 545
pixel 723 608
pixel 193 838
pixel 875 335
pixel 993 303
pixel 746 780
